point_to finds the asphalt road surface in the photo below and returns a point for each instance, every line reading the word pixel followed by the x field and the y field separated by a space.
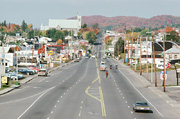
pixel 81 91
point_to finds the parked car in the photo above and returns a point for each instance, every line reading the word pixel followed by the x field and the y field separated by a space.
pixel 43 72
pixel 141 106
pixel 32 67
pixel 76 60
pixel 14 75
pixel 26 71
pixel 93 56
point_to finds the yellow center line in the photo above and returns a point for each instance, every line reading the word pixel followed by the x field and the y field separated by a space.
pixel 95 80
pixel 102 102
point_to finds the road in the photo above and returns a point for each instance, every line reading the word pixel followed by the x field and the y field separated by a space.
pixel 81 91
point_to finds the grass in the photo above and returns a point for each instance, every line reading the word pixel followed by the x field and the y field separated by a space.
pixel 4 87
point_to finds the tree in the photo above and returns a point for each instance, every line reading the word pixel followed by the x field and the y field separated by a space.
pixel 83 47
pixel 31 34
pixel 84 26
pixel 24 26
pixel 173 35
pixel 58 35
pixel 91 37
pixel 65 32
pixel 144 32
pixel 119 47
pixel 51 32
pixel 59 42
pixel 95 26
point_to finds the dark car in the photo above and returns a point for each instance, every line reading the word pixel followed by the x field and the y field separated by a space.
pixel 141 106
pixel 26 71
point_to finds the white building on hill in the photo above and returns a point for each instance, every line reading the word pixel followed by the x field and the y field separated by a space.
pixel 61 24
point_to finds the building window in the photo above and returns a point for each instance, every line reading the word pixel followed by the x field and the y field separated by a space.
pixel 170 57
pixel 175 56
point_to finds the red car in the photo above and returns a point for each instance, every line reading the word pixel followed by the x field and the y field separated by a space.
pixel 32 67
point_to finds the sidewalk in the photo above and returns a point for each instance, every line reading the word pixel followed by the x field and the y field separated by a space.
pixel 172 94
pixel 27 79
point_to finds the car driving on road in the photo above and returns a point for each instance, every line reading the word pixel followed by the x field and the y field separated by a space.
pixel 141 106
pixel 43 72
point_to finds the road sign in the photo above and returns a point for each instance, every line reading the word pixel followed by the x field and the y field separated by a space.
pixel 162 75
pixel 4 80
pixel 51 52
pixel 161 65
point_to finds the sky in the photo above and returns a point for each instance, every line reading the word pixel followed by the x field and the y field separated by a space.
pixel 39 12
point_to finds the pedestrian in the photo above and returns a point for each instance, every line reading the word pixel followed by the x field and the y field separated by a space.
pixel 106 74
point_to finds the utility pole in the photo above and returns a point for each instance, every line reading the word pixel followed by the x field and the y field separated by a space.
pixel 17 63
pixel 164 65
pixel 147 57
pixel 124 48
pixel 128 51
pixel 140 58
pixel 32 51
pixel 154 62
pixel 131 48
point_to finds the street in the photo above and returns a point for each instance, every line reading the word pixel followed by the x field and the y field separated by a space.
pixel 81 91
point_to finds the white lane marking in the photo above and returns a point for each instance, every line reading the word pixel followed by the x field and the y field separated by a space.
pixel 22 98
pixel 35 102
pixel 140 93
pixel 55 106
pixel 125 101
pixel 58 101
pixel 51 112
pixel 128 106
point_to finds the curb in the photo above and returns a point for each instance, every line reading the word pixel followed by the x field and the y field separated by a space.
pixel 22 82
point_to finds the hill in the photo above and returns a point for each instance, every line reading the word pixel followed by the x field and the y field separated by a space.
pixel 127 22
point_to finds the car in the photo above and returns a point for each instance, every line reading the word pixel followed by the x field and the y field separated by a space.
pixel 26 71
pixel 43 72
pixel 32 67
pixel 14 75
pixel 76 60
pixel 141 106
pixel 86 57
pixel 93 56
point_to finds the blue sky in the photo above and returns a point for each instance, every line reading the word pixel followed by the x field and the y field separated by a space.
pixel 39 11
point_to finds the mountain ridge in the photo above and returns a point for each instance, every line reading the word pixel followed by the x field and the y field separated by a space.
pixel 129 22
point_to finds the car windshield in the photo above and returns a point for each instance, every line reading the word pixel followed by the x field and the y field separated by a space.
pixel 42 70
pixel 141 104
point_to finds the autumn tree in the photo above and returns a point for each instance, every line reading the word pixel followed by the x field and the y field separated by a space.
pixel 59 42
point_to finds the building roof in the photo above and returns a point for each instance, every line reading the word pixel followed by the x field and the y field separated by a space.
pixel 173 50
pixel 54 23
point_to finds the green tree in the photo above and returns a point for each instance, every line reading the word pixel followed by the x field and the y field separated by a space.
pixel 84 26
pixel 31 34
pixel 91 37
pixel 65 32
pixel 95 26
pixel 58 35
pixel 119 47
pixel 24 26
pixel 173 35
pixel 144 32
pixel 51 32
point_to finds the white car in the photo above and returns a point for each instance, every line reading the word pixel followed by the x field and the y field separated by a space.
pixel 93 56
